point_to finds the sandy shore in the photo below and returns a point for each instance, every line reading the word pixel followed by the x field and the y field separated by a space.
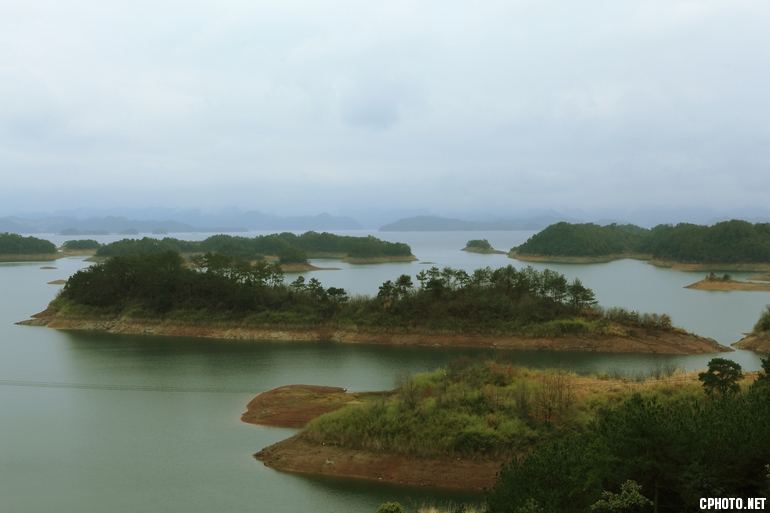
pixel 664 342
pixel 295 405
pixel 761 277
pixel 679 266
pixel 299 456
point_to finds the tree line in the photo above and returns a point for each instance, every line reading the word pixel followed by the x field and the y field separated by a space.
pixel 725 242
pixel 217 286
pixel 289 247
pixel 14 244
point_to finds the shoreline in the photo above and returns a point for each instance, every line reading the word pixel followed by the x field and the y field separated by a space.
pixel 482 251
pixel 301 267
pixel 298 456
pixel 556 259
pixel 738 266
pixel 673 341
pixel 754 342
pixel 669 264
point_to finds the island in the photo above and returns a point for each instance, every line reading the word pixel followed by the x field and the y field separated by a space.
pixel 726 282
pixel 16 248
pixel 552 431
pixel 759 338
pixel 481 246
pixel 290 250
pixel 221 296
pixel 727 246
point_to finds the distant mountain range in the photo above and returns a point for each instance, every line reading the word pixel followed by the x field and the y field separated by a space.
pixel 445 224
pixel 248 221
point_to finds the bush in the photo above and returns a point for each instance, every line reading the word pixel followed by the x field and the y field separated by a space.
pixel 479 243
pixel 391 507
pixel 81 244
pixel 763 324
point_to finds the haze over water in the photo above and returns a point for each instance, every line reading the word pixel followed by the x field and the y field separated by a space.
pixel 139 423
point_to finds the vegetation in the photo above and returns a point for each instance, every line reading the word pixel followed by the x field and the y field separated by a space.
pixel 713 277
pixel 583 240
pixel 727 242
pixel 721 377
pixel 391 507
pixel 13 244
pixel 677 452
pixel 763 324
pixel 484 409
pixel 289 247
pixel 479 244
pixel 81 245
pixel 524 302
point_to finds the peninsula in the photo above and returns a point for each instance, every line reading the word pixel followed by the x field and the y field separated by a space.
pixel 225 297
pixel 759 338
pixel 455 427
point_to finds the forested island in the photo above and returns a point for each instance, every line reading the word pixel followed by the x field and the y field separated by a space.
pixel 286 247
pixel 224 296
pixel 737 245
pixel 481 246
pixel 668 438
pixel 14 248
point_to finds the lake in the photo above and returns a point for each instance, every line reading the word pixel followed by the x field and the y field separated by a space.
pixel 91 421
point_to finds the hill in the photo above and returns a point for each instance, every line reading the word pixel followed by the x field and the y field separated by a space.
pixel 729 242
pixel 444 224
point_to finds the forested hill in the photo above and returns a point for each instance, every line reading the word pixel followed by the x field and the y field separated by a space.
pixel 583 240
pixel 288 246
pixel 13 244
pixel 727 242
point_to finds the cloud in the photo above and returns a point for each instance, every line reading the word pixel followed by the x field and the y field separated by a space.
pixel 309 105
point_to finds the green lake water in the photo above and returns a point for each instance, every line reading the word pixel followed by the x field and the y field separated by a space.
pixel 91 421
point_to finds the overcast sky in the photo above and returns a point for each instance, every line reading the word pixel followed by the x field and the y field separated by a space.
pixel 298 107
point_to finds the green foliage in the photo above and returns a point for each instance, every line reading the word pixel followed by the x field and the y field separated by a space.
pixel 583 240
pixel 727 242
pixel 13 244
pixel 676 452
pixel 479 243
pixel 721 377
pixel 83 244
pixel 763 376
pixel 391 507
pixel 763 324
pixel 629 500
pixel 292 255
pixel 503 301
pixel 286 245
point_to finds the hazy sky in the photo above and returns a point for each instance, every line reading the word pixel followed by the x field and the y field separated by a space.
pixel 298 107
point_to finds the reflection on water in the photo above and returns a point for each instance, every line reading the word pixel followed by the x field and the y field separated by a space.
pixel 140 423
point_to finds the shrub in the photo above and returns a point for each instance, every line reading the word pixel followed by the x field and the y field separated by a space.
pixel 763 324
pixel 391 507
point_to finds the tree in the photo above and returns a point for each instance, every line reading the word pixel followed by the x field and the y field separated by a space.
pixel 722 376
pixel 629 500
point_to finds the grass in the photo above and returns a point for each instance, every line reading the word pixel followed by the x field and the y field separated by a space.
pixel 490 410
